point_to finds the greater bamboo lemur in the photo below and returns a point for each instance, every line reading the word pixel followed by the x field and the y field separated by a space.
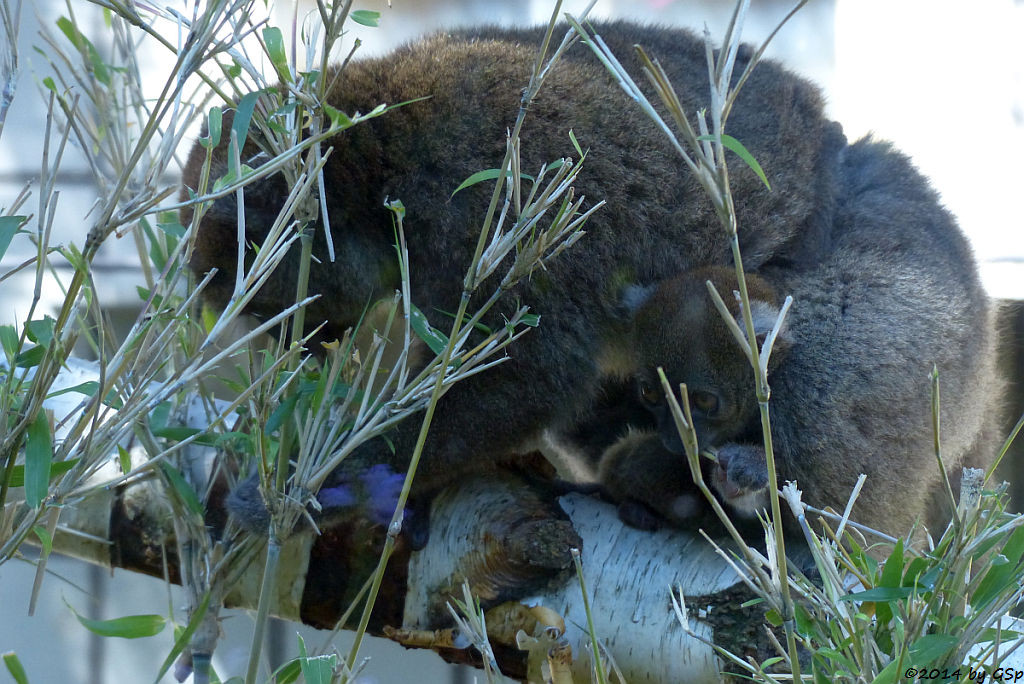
pixel 677 328
pixel 849 374
pixel 657 222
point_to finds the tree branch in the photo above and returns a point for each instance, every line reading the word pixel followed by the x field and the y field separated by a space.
pixel 507 536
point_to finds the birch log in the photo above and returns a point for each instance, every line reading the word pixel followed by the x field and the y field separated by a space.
pixel 506 536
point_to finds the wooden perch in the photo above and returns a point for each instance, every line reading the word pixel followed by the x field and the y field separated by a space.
pixel 508 537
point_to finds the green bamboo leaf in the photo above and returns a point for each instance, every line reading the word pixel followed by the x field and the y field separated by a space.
pixel 804 621
pixel 530 320
pixel 159 415
pixel 891 577
pixel 243 115
pixel 214 124
pixel 880 594
pixel 240 124
pixel 818 670
pixel 127 627
pixel 316 669
pixel 38 458
pixel 1000 573
pixel 736 146
pixel 44 538
pixel 434 338
pixel 156 252
pixel 892 571
pixel 1006 635
pixel 167 221
pixel 9 339
pixel 914 574
pixel 889 675
pixel 338 118
pixel 9 226
pixel 15 668
pixel 930 647
pixel 741 151
pixel 478 325
pixel 30 358
pixel 479 177
pixel 176 434
pixel 231 177
pixel 184 490
pixel 288 673
pixel 485 175
pixel 99 68
pixel 184 637
pixel 69 30
pixel 87 388
pixel 365 17
pixel 274 41
pixel 56 470
pixel 285 409
pixel 75 258
pixel 836 657
pixel 40 330
pixel 576 144
pixel 124 458
pixel 209 318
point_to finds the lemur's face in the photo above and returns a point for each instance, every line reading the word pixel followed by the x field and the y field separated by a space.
pixel 679 330
pixel 720 393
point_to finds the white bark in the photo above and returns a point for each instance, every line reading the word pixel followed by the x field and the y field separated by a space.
pixel 628 572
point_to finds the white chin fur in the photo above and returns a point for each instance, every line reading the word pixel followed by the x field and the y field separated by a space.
pixel 749 504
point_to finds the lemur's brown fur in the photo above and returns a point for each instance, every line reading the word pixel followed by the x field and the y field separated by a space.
pixel 657 223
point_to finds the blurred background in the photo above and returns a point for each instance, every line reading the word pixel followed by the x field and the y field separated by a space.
pixel 941 78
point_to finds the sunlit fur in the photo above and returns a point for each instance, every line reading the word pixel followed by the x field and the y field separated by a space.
pixel 657 223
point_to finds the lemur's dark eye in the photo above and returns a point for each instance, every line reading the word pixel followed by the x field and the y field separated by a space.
pixel 649 393
pixel 705 402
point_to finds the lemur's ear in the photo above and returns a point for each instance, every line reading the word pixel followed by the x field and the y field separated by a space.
pixel 635 296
